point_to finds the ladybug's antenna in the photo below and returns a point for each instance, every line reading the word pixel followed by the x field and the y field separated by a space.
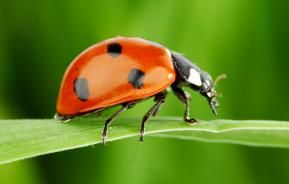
pixel 220 77
pixel 213 101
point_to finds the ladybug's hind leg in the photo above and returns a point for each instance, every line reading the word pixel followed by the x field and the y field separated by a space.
pixel 159 99
pixel 185 98
pixel 112 117
pixel 99 112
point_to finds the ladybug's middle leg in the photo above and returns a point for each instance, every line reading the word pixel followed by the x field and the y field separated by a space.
pixel 165 92
pixel 112 117
pixel 159 99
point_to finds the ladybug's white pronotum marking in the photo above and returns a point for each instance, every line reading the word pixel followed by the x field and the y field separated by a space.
pixel 195 77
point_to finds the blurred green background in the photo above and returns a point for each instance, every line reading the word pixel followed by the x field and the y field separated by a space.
pixel 248 40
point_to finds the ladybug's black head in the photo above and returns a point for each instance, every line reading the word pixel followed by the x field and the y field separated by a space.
pixel 207 89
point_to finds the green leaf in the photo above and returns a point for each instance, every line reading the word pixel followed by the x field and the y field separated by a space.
pixel 22 139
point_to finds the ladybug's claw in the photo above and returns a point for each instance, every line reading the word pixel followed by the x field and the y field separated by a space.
pixel 141 135
pixel 141 138
pixel 191 121
pixel 104 137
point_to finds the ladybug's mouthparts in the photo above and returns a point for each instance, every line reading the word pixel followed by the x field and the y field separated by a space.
pixel 214 105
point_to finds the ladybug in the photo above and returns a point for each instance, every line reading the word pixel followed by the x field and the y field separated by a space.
pixel 124 71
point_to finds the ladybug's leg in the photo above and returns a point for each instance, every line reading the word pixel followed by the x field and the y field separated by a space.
pixel 159 99
pixel 99 112
pixel 159 107
pixel 185 98
pixel 112 117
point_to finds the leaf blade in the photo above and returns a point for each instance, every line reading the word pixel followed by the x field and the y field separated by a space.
pixel 22 139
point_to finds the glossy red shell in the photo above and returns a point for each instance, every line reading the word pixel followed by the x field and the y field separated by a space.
pixel 107 76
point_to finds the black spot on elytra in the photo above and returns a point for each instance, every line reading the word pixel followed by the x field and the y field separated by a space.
pixel 114 49
pixel 80 88
pixel 135 77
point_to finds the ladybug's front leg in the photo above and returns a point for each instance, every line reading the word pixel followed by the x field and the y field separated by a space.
pixel 185 98
pixel 112 117
pixel 159 99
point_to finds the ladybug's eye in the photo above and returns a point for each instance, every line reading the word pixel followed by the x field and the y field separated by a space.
pixel 207 82
pixel 114 49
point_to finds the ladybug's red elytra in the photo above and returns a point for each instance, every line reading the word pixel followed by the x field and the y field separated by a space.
pixel 124 71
